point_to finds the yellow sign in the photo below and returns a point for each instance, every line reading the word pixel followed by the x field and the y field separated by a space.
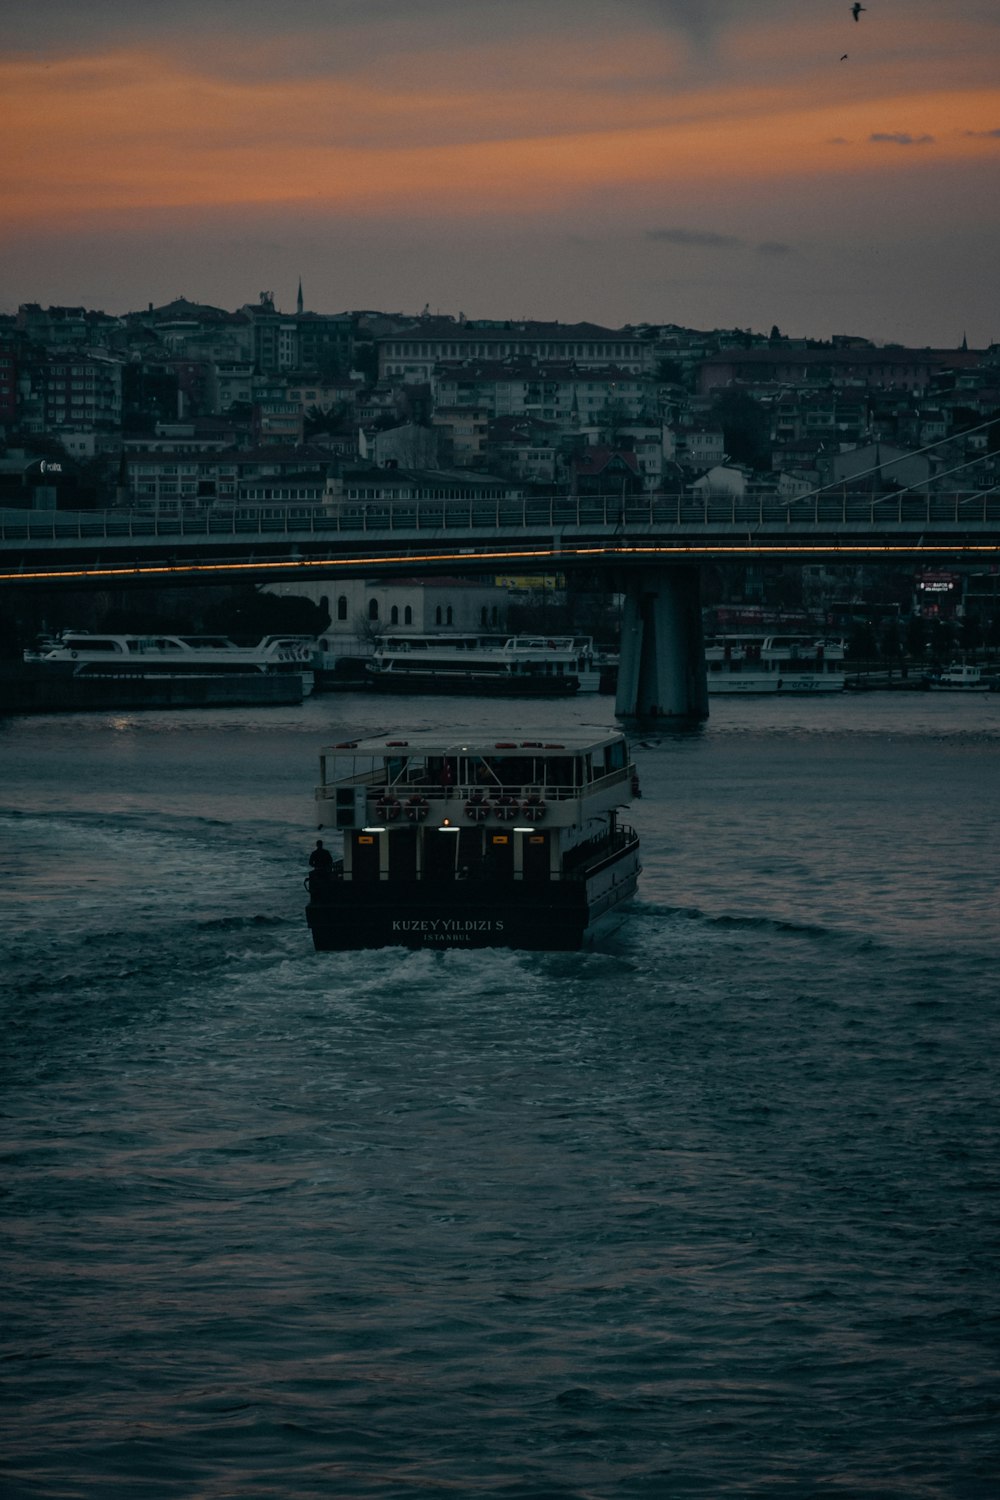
pixel 521 581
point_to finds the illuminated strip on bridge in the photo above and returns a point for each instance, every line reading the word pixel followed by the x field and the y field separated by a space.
pixel 562 554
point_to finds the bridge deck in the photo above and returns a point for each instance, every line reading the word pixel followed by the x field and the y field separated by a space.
pixel 422 535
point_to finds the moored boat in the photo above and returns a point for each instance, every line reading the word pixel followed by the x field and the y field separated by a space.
pixel 466 841
pixel 130 655
pixel 65 688
pixel 516 666
pixel 787 664
pixel 959 677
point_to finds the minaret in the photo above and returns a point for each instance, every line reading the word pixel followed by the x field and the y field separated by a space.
pixel 298 306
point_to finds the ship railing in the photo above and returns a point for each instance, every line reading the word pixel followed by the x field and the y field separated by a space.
pixel 378 782
pixel 320 883
pixel 603 852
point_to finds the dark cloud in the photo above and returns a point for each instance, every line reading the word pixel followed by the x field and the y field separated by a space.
pixel 708 239
pixel 983 135
pixel 902 138
pixel 700 19
pixel 704 237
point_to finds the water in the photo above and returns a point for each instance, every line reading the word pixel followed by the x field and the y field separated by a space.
pixel 711 1212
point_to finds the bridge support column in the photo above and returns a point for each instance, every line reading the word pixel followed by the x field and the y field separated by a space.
pixel 661 670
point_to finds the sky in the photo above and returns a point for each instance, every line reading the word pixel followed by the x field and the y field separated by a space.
pixel 710 163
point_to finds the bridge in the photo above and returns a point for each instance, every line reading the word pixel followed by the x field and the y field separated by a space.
pixel 650 545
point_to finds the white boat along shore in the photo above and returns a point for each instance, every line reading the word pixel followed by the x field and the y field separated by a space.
pixel 960 677
pixel 789 664
pixel 535 665
pixel 159 654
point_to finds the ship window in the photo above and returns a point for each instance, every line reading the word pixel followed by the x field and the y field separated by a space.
pixel 437 615
pixel 342 607
pixel 449 616
pixel 614 756
pixel 394 615
pixel 408 616
pixel 373 609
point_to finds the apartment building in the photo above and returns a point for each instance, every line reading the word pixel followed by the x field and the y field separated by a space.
pixel 552 392
pixel 83 391
pixel 411 354
pixel 185 481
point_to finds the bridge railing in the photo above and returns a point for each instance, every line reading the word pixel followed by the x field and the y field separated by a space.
pixel 609 512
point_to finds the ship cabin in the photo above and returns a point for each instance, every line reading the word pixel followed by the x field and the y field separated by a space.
pixel 427 808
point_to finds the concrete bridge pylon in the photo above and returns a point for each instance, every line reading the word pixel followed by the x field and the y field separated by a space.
pixel 661 669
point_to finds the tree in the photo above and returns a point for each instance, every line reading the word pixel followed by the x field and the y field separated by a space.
pixel 669 371
pixel 611 419
pixel 889 643
pixel 252 613
pixel 971 632
pixel 942 639
pixel 364 359
pixel 916 637
pixel 745 427
pixel 317 420
pixel 861 645
pixel 368 631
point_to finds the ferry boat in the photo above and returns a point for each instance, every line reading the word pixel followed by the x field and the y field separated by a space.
pixel 519 665
pixel 463 841
pixel 175 655
pixel 788 664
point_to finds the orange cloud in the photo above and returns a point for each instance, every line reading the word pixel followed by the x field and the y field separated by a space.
pixel 134 132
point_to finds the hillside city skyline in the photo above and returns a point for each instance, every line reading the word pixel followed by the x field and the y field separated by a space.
pixel 622 161
pixel 187 408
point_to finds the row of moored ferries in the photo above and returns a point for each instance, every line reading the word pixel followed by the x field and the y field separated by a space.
pixel 550 666
pixel 522 665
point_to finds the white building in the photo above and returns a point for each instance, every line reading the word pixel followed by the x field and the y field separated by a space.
pixel 363 609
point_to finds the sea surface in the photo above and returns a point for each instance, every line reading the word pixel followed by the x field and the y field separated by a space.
pixel 712 1211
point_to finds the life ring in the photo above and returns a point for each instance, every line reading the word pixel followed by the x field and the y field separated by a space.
pixel 477 808
pixel 416 809
pixel 74 654
pixel 505 807
pixel 534 809
pixel 388 808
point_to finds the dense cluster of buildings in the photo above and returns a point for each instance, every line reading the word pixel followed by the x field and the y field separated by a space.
pixel 188 408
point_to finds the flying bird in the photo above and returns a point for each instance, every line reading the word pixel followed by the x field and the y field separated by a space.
pixel 843 57
pixel 856 9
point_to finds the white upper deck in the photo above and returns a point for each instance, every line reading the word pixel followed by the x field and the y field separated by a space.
pixel 467 776
pixel 545 744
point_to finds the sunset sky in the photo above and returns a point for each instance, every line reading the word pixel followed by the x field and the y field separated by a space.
pixel 711 163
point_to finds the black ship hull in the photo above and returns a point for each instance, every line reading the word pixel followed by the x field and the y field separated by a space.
pixel 549 916
pixel 49 689
pixel 486 684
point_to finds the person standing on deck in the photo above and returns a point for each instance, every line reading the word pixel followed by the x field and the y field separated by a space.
pixel 321 860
